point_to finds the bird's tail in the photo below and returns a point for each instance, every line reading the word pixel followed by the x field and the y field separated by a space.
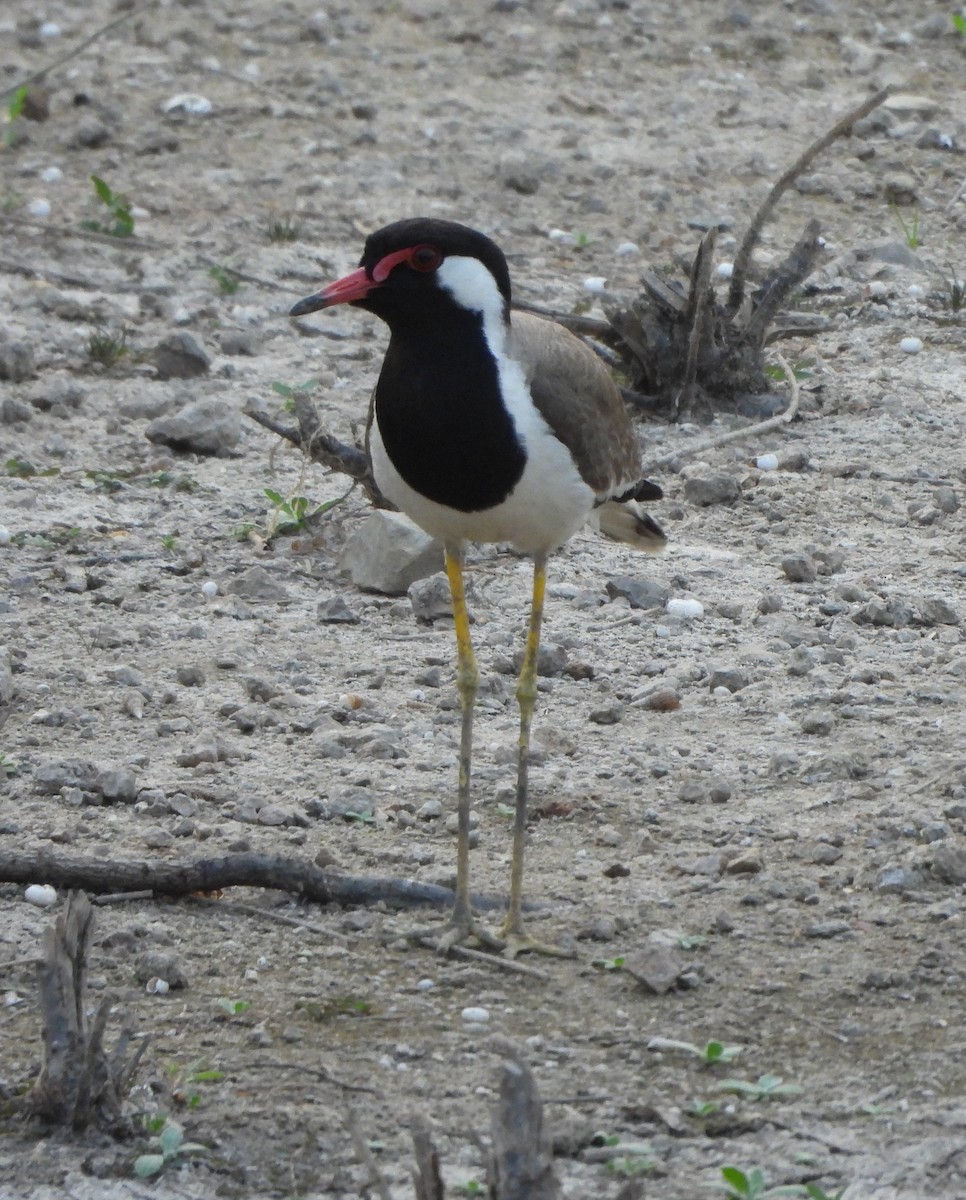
pixel 628 522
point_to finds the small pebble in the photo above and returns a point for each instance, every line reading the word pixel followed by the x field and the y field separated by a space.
pixel 724 270
pixel 767 462
pixel 5 536
pixel 626 249
pixel 687 610
pixel 915 291
pixel 42 895
pixel 157 987
pixel 39 208
pixel 475 1016
pixel 188 102
pixel 910 345
pixel 596 284
pixel 562 237
pixel 209 589
pixel 425 985
pixel 51 174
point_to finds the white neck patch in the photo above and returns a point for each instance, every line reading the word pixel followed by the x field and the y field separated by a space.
pixel 473 287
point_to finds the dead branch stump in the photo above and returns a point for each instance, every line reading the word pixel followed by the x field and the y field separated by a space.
pixel 521 1165
pixel 80 1083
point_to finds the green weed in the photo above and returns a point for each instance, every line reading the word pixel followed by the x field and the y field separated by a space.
pixel 172 1147
pixel 121 224
pixel 226 280
pixel 710 1053
pixel 909 226
pixel 766 1087
pixel 107 348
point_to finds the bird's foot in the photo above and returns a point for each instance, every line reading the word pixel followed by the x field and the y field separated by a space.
pixel 459 931
pixel 516 941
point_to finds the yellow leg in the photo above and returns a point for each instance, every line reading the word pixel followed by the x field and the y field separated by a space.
pixel 467 681
pixel 463 924
pixel 512 930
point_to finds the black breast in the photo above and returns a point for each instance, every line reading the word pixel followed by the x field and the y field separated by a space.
pixel 441 416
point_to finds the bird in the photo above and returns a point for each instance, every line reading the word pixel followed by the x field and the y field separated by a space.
pixel 494 426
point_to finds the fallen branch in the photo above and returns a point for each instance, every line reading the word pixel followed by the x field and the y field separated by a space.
pixel 210 874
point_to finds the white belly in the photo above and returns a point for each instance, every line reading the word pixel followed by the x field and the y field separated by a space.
pixel 546 507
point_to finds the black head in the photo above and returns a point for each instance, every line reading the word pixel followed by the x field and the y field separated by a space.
pixel 403 271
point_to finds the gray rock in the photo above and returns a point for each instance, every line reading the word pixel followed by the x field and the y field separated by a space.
pixel 431 599
pixel 160 964
pixel 656 966
pixel 770 602
pixel 16 361
pixel 828 929
pixel 949 863
pixel 717 488
pixel 551 660
pixel 746 862
pixel 819 724
pixel 693 791
pixel 6 676
pixel 13 410
pixel 728 677
pixel 388 553
pixel 639 593
pixel 204 426
pixel 181 356
pixel 237 342
pixel 607 714
pixel 896 880
pixel 335 611
pixel 118 785
pixel 892 614
pixel 799 568
pixel 257 584
pixel 89 133
pixel 936 611
pixel 946 500
pixel 189 675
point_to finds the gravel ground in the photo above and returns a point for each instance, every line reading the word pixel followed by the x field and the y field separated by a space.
pixel 765 800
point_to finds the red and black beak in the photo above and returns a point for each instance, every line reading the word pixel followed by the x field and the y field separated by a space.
pixel 352 287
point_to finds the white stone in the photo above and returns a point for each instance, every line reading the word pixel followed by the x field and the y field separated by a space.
pixel 562 237
pixel 51 174
pixel 5 536
pixel 39 207
pixel 188 102
pixel 627 249
pixel 475 1016
pixel 596 284
pixel 41 895
pixel 209 589
pixel 767 462
pixel 686 609
pixel 724 270
pixel 910 345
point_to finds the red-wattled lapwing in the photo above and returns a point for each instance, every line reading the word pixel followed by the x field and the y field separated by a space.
pixel 485 430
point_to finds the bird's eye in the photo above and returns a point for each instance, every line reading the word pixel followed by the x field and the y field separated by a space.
pixel 425 258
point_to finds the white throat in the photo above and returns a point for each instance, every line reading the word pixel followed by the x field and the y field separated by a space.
pixel 473 287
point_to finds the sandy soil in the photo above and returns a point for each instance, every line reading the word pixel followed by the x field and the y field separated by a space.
pixel 798 842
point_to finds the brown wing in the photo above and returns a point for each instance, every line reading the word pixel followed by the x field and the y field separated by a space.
pixel 577 398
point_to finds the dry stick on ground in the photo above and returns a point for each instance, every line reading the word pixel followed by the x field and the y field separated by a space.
pixel 231 870
pixel 736 292
pixel 699 319
pixel 426 1176
pixel 80 1082
pixel 78 49
pixel 785 417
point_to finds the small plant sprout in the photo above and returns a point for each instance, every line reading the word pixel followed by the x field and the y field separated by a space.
pixel 909 226
pixel 9 767
pixel 701 1109
pixel 121 224
pixel 15 107
pixel 173 1146
pixel 739 1185
pixel 766 1087
pixel 225 279
pixel 234 1008
pixel 469 1187
pixel 959 23
pixel 283 229
pixel 289 391
pixel 169 540
pixel 183 1089
pixel 609 964
pixel 106 347
pixel 710 1054
pixel 292 515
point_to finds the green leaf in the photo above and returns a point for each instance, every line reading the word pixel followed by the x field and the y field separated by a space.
pixel 736 1179
pixel 147 1165
pixel 283 389
pixel 276 497
pixel 103 191
pixel 172 1135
